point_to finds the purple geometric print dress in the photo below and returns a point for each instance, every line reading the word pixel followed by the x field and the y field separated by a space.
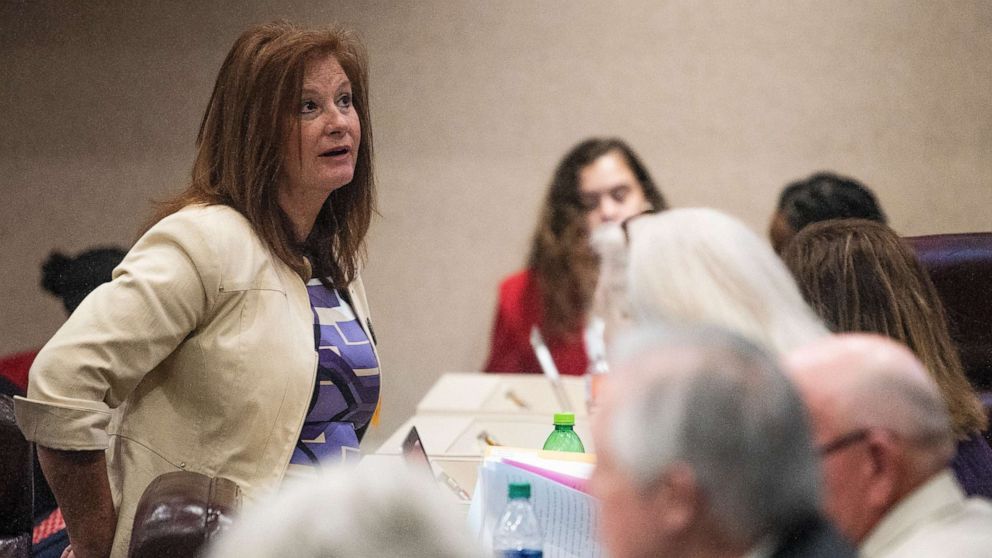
pixel 347 388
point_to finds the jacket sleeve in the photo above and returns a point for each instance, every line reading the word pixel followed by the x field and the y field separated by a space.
pixel 120 332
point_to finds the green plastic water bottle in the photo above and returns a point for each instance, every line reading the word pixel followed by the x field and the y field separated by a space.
pixel 564 437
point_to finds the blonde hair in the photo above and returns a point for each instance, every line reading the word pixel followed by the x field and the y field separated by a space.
pixel 703 266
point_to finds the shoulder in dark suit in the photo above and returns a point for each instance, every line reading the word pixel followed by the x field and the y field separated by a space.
pixel 812 537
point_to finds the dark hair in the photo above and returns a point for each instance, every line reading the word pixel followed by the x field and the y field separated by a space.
pixel 243 137
pixel 71 279
pixel 860 276
pixel 824 196
pixel 560 256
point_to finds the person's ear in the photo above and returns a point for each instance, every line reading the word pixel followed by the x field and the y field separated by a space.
pixel 676 500
pixel 887 460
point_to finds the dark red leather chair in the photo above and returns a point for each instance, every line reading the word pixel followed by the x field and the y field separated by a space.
pixel 16 486
pixel 180 512
pixel 177 516
pixel 961 268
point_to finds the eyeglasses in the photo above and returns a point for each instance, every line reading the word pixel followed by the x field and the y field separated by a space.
pixel 626 222
pixel 842 442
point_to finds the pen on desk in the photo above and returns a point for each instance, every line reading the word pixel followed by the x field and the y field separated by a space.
pixel 543 355
pixel 548 368
pixel 487 439
pixel 454 486
pixel 512 396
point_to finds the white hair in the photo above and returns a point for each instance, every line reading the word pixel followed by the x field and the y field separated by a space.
pixel 913 409
pixel 703 266
pixel 349 512
pixel 719 404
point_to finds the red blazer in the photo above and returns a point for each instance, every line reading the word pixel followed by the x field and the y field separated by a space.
pixel 14 368
pixel 519 308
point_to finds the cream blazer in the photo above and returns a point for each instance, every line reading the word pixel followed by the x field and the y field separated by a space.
pixel 936 519
pixel 198 356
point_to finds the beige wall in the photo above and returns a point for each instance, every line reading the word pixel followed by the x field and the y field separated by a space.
pixel 473 103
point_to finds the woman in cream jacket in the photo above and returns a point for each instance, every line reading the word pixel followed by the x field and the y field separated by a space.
pixel 238 320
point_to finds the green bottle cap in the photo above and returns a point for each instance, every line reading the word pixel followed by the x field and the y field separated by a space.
pixel 564 419
pixel 519 490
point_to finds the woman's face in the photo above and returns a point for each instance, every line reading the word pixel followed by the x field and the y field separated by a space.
pixel 322 147
pixel 609 191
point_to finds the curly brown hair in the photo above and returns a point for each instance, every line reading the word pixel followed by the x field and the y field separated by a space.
pixel 242 141
pixel 561 259
pixel 860 276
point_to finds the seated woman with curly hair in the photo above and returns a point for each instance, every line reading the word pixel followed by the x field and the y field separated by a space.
pixel 599 181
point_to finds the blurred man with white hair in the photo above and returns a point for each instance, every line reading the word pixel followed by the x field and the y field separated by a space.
pixel 377 510
pixel 885 440
pixel 703 450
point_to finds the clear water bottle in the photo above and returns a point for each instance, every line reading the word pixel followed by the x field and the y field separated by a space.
pixel 564 438
pixel 518 534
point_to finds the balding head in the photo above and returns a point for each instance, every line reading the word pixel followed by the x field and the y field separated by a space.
pixel 879 420
pixel 869 381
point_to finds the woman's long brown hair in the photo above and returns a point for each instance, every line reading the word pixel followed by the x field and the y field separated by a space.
pixel 242 142
pixel 561 259
pixel 860 276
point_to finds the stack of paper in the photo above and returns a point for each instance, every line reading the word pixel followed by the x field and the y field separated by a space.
pixel 568 515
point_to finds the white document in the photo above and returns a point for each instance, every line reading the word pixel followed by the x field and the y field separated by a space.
pixel 568 517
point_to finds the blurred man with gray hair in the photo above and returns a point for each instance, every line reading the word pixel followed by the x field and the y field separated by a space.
pixel 703 450
pixel 885 441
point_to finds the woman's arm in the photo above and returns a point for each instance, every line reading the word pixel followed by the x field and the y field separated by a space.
pixel 79 480
pixel 123 329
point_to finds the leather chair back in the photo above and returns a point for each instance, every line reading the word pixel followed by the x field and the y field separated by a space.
pixel 16 486
pixel 180 512
pixel 961 268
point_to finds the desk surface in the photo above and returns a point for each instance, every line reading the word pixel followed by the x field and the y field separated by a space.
pixel 457 435
pixel 482 393
pixel 460 406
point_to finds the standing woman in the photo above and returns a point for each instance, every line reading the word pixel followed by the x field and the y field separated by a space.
pixel 859 276
pixel 234 339
pixel 600 180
